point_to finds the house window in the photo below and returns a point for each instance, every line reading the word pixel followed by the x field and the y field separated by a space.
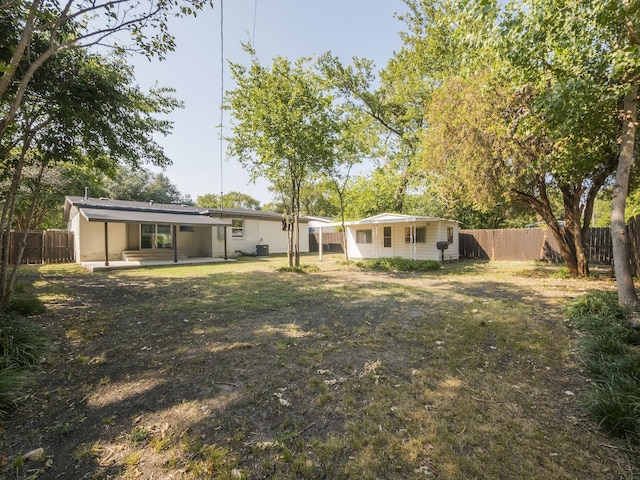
pixel 450 234
pixel 364 236
pixel 237 228
pixel 155 236
pixel 186 228
pixel 387 236
pixel 419 235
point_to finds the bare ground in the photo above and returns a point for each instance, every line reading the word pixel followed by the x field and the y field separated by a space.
pixel 251 373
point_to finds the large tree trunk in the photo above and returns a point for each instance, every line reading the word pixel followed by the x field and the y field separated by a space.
pixel 621 258
pixel 571 237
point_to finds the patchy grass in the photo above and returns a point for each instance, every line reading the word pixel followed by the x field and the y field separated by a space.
pixel 242 371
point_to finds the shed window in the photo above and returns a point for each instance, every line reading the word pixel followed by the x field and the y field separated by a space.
pixel 237 228
pixel 364 236
pixel 419 235
pixel 450 234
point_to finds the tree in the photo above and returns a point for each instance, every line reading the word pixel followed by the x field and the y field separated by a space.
pixel 395 109
pixel 78 24
pixel 80 110
pixel 33 34
pixel 284 129
pixel 590 62
pixel 229 200
pixel 141 184
pixel 56 182
pixel 502 122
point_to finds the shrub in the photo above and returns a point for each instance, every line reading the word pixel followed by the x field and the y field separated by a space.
pixel 22 343
pixel 27 306
pixel 22 346
pixel 399 264
pixel 11 382
pixel 300 269
pixel 603 305
pixel 609 351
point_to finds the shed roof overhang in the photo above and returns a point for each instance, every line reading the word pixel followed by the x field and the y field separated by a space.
pixel 161 218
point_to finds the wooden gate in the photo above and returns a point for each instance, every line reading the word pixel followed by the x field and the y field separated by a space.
pixel 49 246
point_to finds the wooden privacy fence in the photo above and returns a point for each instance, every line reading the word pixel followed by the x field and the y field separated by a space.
pixel 48 246
pixel 332 242
pixel 530 244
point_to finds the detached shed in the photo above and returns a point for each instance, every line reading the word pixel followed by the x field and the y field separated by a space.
pixel 407 236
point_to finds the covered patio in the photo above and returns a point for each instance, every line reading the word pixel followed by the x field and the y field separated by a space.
pixel 130 264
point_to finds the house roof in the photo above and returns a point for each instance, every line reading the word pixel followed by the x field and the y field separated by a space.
pixel 128 211
pixel 125 211
pixel 247 213
pixel 389 218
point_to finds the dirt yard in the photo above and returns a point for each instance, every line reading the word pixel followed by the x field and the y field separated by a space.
pixel 240 371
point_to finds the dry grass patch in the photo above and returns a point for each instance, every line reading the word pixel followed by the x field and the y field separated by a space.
pixel 247 372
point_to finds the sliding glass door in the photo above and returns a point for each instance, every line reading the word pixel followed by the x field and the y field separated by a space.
pixel 155 236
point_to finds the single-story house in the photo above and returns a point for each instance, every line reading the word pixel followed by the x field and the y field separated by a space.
pixel 106 229
pixel 395 235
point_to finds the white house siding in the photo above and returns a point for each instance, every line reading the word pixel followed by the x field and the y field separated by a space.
pixel 435 232
pixel 259 232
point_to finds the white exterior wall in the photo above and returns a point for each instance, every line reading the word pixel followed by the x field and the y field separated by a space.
pixel 89 238
pixel 436 232
pixel 196 243
pixel 259 232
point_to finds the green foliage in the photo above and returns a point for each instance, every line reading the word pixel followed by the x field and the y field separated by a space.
pixel 299 269
pixel 589 310
pixel 143 185
pixel 22 346
pixel 11 382
pixel 373 194
pixel 611 355
pixel 229 200
pixel 27 305
pixel 22 343
pixel 399 264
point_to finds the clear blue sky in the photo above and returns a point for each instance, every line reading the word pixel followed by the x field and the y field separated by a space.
pixel 289 28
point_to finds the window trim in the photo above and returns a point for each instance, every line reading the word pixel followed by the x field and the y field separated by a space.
pixel 237 231
pixel 366 235
pixel 387 241
pixel 416 238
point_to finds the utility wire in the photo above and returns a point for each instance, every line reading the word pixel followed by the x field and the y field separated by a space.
pixel 255 15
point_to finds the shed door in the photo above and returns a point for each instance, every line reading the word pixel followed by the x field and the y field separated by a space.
pixel 387 237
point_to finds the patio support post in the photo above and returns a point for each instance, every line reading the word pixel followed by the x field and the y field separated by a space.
pixel 175 243
pixel 106 244
pixel 225 243
pixel 320 246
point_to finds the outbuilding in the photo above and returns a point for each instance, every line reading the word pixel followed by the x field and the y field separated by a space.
pixel 396 235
